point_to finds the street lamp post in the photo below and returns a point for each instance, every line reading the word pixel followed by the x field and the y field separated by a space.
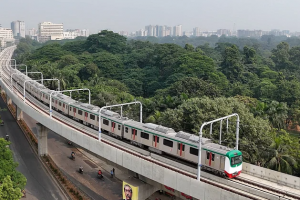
pixel 211 122
pixel 120 105
pixel 50 104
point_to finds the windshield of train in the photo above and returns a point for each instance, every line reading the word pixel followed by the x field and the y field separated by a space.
pixel 236 160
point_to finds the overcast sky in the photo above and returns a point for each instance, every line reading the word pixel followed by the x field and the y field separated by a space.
pixel 131 15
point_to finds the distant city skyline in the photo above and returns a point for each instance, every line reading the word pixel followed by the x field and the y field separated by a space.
pixel 132 15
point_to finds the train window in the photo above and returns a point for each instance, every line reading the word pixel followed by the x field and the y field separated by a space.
pixel 80 112
pixel 134 131
pixel 194 151
pixel 154 139
pixel 213 157
pixel 182 147
pixel 126 129
pixel 207 155
pixel 92 117
pixel 59 103
pixel 70 108
pixel 113 124
pixel 145 135
pixel 236 160
pixel 168 143
pixel 119 127
pixel 106 122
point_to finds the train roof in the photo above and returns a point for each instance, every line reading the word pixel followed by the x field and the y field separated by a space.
pixel 217 148
pixel 187 137
pixel 64 98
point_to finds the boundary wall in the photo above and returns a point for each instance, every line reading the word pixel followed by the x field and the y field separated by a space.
pixel 157 173
pixel 271 175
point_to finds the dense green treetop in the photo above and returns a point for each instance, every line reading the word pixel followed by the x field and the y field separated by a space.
pixel 11 181
pixel 183 82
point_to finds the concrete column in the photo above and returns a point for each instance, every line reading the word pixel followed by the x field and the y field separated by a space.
pixel 19 113
pixel 8 100
pixel 42 139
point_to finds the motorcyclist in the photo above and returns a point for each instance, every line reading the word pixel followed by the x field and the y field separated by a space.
pixel 80 169
pixel 100 172
pixel 7 137
pixel 72 155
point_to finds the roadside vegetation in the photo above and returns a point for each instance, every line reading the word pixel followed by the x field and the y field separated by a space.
pixel 12 182
pixel 181 85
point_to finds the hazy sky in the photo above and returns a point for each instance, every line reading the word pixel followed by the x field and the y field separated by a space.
pixel 131 15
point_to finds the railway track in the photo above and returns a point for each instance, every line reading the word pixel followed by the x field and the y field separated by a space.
pixel 242 186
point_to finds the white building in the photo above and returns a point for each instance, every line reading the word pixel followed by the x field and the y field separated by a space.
pixel 18 28
pixel 6 36
pixel 177 30
pixel 85 32
pixel 49 31
pixel 71 35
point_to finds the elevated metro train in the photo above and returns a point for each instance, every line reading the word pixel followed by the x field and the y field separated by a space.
pixel 156 138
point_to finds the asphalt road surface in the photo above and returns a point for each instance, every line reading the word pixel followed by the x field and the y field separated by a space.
pixel 99 189
pixel 39 183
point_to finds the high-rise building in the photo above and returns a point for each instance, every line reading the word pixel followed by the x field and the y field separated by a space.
pixel 18 28
pixel 49 31
pixel 150 30
pixel 161 31
pixel 31 32
pixel 196 31
pixel 177 30
pixel 168 31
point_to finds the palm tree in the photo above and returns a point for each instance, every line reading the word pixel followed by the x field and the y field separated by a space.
pixel 280 159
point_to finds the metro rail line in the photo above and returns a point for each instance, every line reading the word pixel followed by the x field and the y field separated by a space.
pixel 92 133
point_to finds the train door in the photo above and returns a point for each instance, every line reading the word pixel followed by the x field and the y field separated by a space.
pixel 222 162
pixel 113 126
pixel 155 141
pixel 210 159
pixel 134 134
pixel 85 116
pixel 180 149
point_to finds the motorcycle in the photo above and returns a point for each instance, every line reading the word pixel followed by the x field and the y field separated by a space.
pixel 72 157
pixel 100 176
pixel 80 170
pixel 7 137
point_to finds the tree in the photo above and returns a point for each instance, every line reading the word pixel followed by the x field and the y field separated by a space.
pixel 279 158
pixel 281 56
pixel 8 167
pixel 192 113
pixel 7 191
pixel 106 41
pixel 231 65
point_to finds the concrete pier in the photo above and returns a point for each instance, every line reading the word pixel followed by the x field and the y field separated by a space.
pixel 42 139
pixel 19 113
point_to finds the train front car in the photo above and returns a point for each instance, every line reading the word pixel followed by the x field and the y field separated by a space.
pixel 233 163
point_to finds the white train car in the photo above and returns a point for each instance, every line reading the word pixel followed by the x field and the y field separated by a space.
pixel 62 103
